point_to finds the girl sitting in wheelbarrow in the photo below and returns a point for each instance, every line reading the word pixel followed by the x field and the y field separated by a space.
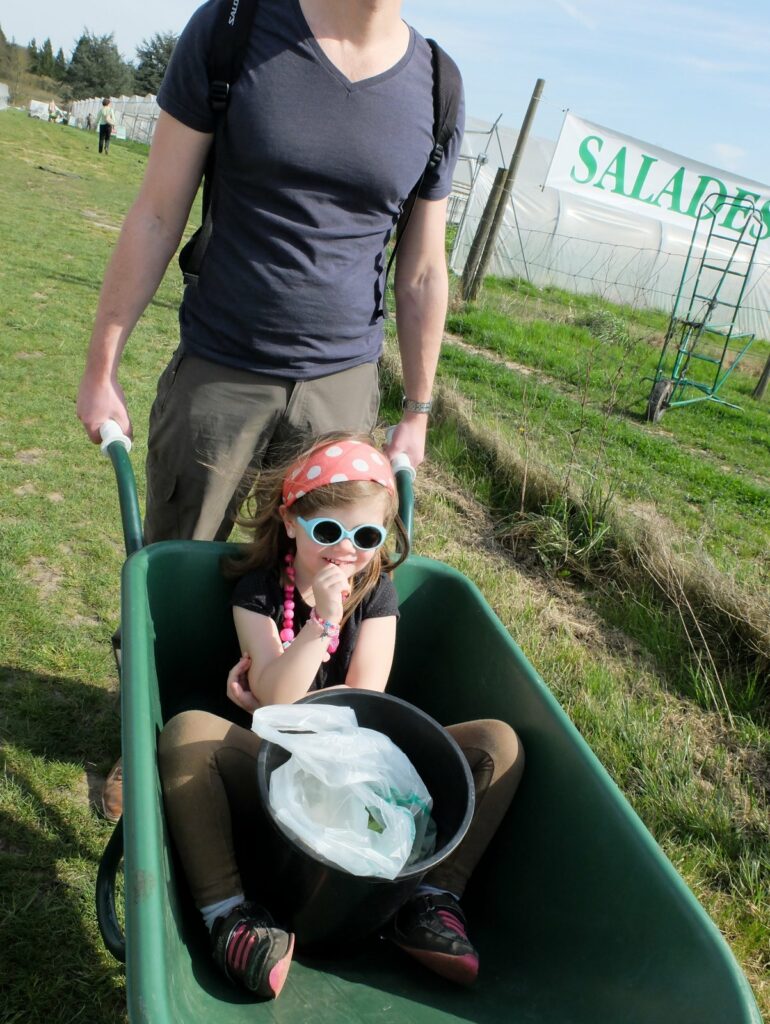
pixel 315 608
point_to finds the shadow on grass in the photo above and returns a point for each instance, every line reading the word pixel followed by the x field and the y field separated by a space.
pixel 633 415
pixel 88 284
pixel 52 962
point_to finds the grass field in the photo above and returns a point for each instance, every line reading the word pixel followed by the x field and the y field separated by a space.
pixel 698 779
pixel 706 468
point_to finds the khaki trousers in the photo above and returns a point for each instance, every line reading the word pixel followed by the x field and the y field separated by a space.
pixel 212 427
pixel 209 775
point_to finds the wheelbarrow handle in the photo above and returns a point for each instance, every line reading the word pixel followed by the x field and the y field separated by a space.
pixel 106 914
pixel 116 446
pixel 405 473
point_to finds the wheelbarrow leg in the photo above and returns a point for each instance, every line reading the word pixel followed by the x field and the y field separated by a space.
pixel 116 640
pixel 106 914
pixel 112 793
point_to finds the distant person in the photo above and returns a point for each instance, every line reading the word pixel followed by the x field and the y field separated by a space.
pixel 89 122
pixel 52 111
pixel 105 122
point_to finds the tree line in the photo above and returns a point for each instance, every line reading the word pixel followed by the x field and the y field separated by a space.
pixel 95 67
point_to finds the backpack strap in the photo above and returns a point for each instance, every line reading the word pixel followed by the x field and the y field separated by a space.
pixel 232 28
pixel 231 37
pixel 447 90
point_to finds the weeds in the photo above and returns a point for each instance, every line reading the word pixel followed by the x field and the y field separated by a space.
pixel 568 536
pixel 605 325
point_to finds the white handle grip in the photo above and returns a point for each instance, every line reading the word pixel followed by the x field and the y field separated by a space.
pixel 401 461
pixel 110 431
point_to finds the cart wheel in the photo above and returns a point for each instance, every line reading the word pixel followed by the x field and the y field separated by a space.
pixel 659 399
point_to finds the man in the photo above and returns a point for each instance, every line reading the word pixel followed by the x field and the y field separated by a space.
pixel 328 129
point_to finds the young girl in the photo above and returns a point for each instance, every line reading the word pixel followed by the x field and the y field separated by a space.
pixel 314 608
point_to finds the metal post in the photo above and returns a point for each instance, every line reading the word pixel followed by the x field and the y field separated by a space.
pixel 482 231
pixel 761 388
pixel 505 195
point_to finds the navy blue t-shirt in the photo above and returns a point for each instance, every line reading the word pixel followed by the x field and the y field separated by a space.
pixel 311 175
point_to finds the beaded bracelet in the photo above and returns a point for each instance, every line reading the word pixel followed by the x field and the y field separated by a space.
pixel 330 630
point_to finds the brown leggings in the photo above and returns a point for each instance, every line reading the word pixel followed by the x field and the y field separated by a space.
pixel 209 775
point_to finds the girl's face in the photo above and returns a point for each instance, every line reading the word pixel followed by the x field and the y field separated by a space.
pixel 312 557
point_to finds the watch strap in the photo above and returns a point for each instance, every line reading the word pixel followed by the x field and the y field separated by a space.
pixel 410 405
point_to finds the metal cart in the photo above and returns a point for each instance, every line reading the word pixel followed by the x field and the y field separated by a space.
pixel 702 329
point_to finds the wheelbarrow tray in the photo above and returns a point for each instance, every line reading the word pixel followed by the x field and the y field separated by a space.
pixel 578 915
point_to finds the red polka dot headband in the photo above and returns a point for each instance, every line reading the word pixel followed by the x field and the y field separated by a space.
pixel 336 463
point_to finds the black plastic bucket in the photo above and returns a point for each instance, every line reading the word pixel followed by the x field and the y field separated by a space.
pixel 322 903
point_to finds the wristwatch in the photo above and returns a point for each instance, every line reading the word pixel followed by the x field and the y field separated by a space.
pixel 409 405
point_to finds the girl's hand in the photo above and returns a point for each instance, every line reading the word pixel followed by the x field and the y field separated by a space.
pixel 238 685
pixel 330 588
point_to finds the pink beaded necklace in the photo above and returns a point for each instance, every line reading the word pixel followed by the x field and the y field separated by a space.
pixel 287 633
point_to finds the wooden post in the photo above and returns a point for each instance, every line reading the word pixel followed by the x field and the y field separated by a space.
pixel 482 231
pixel 761 388
pixel 505 194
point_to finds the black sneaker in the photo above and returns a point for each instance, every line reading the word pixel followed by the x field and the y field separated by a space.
pixel 431 928
pixel 251 950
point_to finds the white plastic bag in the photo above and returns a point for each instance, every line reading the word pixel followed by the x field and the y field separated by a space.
pixel 348 792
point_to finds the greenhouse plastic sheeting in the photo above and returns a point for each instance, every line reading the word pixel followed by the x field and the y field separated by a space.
pixel 552 237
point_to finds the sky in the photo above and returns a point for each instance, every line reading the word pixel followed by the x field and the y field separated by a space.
pixel 686 76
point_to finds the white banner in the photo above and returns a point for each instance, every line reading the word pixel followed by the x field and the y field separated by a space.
pixel 604 166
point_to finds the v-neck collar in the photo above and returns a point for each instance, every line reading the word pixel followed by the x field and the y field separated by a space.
pixel 332 68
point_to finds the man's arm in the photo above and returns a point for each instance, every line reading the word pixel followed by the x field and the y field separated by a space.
pixel 149 238
pixel 421 287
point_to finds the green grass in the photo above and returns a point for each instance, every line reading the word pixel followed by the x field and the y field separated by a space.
pixel 698 782
pixel 704 635
pixel 60 553
pixel 726 511
pixel 705 467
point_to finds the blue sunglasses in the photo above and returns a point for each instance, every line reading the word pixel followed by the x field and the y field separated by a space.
pixel 326 532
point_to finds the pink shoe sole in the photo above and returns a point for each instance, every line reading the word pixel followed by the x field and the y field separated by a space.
pixel 277 976
pixel 463 970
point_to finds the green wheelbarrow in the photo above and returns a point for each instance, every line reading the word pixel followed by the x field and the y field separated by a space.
pixel 578 915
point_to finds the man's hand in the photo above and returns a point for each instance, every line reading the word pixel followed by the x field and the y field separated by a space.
pixel 409 437
pixel 100 402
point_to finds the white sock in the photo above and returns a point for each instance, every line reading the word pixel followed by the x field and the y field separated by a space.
pixel 215 910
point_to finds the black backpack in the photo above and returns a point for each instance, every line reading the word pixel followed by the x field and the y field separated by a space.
pixel 231 36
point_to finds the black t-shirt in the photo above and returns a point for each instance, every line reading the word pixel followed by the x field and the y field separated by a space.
pixel 261 591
